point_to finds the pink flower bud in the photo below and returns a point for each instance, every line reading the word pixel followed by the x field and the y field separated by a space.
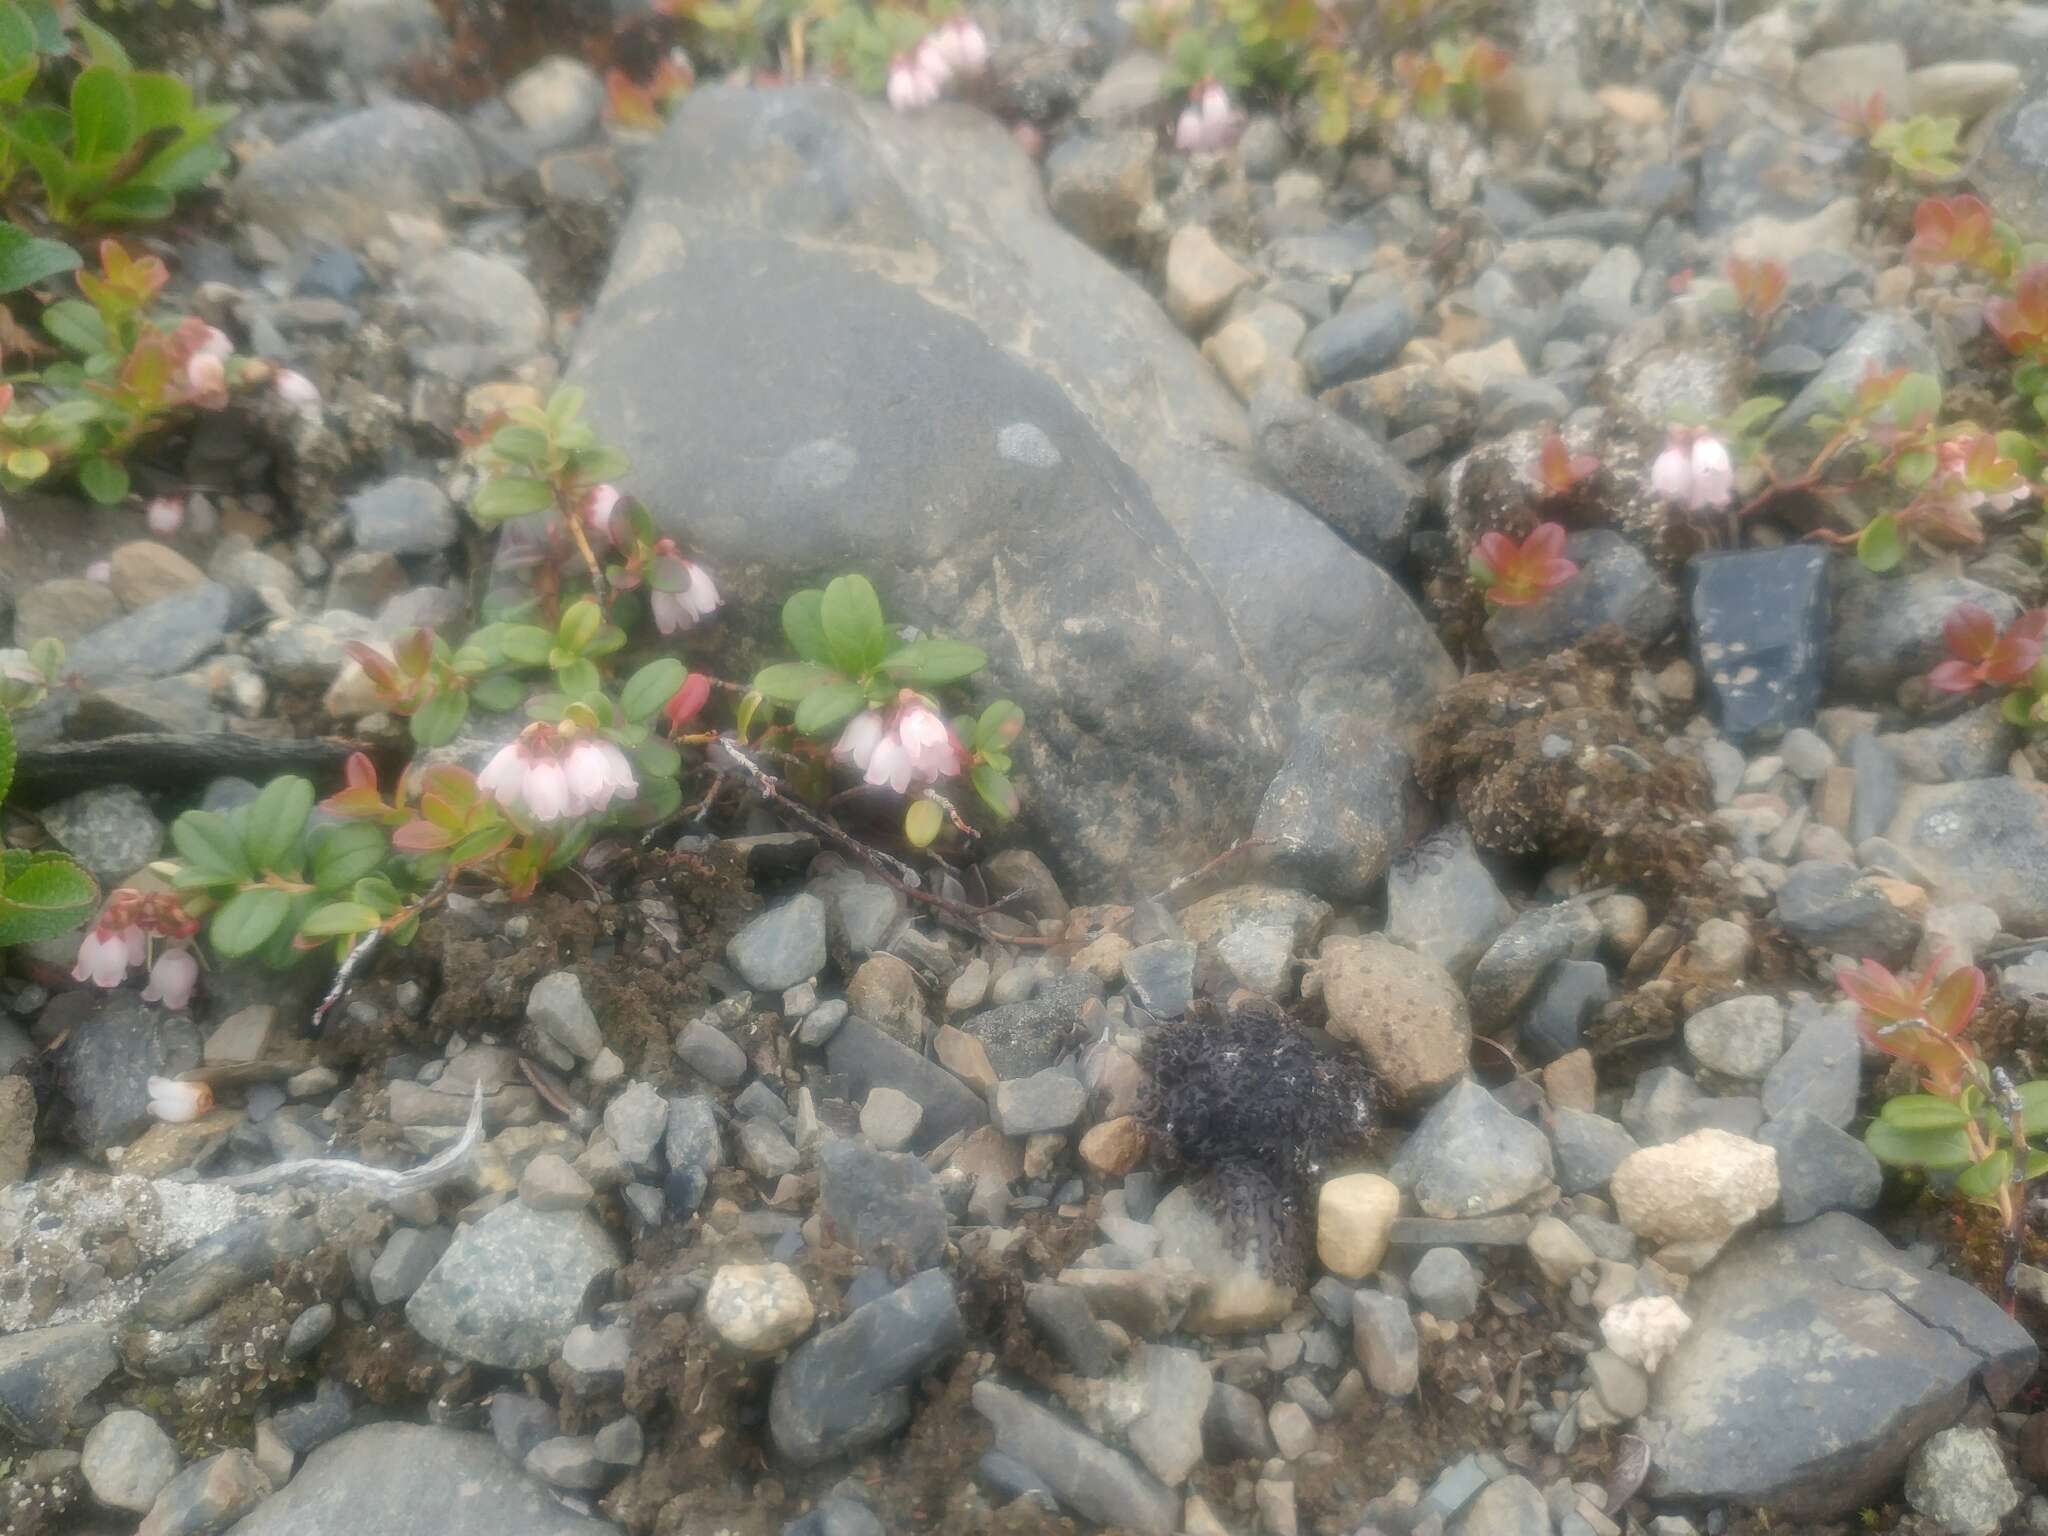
pixel 178 1103
pixel 206 380
pixel 171 979
pixel 166 515
pixel 296 389
pixel 101 571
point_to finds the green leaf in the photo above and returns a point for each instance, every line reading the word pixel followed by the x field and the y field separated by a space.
pixel 344 854
pixel 790 682
pixel 134 202
pixel 104 48
pixel 1917 396
pixel 580 624
pixel 565 405
pixel 47 895
pixel 999 726
pixel 1980 1181
pixel 26 260
pixel 526 644
pixel 1923 1112
pixel 522 445
pixel 212 845
pixel 105 481
pixel 1915 468
pixel 930 663
pixel 658 759
pixel 854 631
pixel 2018 708
pixel 803 621
pixel 17 38
pixel 76 325
pixel 2034 1099
pixel 161 101
pixel 1752 413
pixel 498 694
pixel 102 115
pixel 996 790
pixel 1917 1149
pixel 579 679
pixel 1880 546
pixel 647 690
pixel 247 921
pixel 825 709
pixel 275 819
pixel 505 497
pixel 922 823
pixel 338 918
pixel 435 722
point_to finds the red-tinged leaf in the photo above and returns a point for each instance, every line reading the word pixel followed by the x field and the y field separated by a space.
pixel 2011 660
pixel 1954 677
pixel 360 771
pixel 1970 632
pixel 1495 551
pixel 448 783
pixel 1955 1001
pixel 688 701
pixel 421 837
pixel 374 665
pixel 1555 573
pixel 1873 988
pixel 2031 625
pixel 1545 542
pixel 441 813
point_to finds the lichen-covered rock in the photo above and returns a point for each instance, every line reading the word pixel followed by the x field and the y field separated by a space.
pixel 1701 1186
pixel 1401 1010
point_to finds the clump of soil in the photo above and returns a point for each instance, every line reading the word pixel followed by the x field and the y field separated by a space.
pixel 1547 759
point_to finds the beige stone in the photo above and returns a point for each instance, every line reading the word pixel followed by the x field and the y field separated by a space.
pixel 1201 278
pixel 1632 105
pixel 885 992
pixel 1354 1219
pixel 1700 1187
pixel 1570 1081
pixel 965 1057
pixel 1559 1252
pixel 144 571
pixel 1113 1148
pixel 1103 958
pixel 1472 371
pixel 1962 88
pixel 1845 78
pixel 758 1309
pixel 1402 1011
pixel 1256 345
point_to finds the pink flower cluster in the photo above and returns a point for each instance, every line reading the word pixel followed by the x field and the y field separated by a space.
pixel 1694 471
pixel 956 49
pixel 550 776
pixel 682 592
pixel 120 938
pixel 911 743
pixel 1210 121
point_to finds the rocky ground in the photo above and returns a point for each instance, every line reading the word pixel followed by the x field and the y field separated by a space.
pixel 1474 1147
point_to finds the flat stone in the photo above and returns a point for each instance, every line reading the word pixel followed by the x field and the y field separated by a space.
pixel 218 1265
pixel 849 1386
pixel 1983 840
pixel 889 1118
pixel 883 1205
pixel 1839 910
pixel 781 947
pixel 512 1285
pixel 1356 342
pixel 1760 636
pixel 867 1059
pixel 1513 964
pixel 1051 1100
pixel 1700 1187
pixel 207 1496
pixel 1337 810
pixel 1443 902
pixel 1086 1475
pixel 341 181
pixel 1400 1010
pixel 1061 1316
pixel 166 637
pixel 409 1256
pixel 46 1374
pixel 1167 1434
pixel 1445 1285
pixel 1821 1068
pixel 1568 998
pixel 556 1008
pixel 111 830
pixel 1821 1167
pixel 1383 1337
pixel 403 516
pixel 1338 470
pixel 1161 976
pixel 414 1480
pixel 1588 1149
pixel 1028 1036
pixel 1741 1038
pixel 1201 277
pixel 1509 1506
pixel 1958 1478
pixel 126 1460
pixel 1471 1157
pixel 712 1054
pixel 1817 1361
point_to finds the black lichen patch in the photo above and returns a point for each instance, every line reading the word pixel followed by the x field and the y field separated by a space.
pixel 1251 1093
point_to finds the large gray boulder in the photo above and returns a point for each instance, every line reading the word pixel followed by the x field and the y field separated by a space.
pixel 834 338
pixel 1818 1359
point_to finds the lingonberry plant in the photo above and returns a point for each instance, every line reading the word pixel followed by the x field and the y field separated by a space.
pixel 1559 471
pixel 1515 574
pixel 1968 1119
pixel 1983 656
pixel 42 893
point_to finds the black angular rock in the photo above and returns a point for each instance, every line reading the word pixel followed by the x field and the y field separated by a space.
pixel 884 1205
pixel 1759 636
pixel 866 1059
pixel 1565 1001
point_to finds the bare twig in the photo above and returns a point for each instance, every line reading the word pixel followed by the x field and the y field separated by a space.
pixel 344 1172
pixel 344 976
pixel 1182 882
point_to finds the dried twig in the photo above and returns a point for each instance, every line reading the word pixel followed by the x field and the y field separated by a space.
pixel 1182 882
pixel 342 1172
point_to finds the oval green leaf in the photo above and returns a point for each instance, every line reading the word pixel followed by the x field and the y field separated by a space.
pixel 1923 1112
pixel 825 709
pixel 275 818
pixel 338 918
pixel 1880 546
pixel 1917 1149
pixel 248 920
pixel 931 663
pixel 790 682
pixel 210 843
pixel 854 631
pixel 647 690
pixel 921 823
pixel 803 621
pixel 435 722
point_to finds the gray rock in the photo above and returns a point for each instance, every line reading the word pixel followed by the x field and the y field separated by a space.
pixel 340 182
pixel 1235 1271
pixel 1604 300
pixel 165 637
pixel 519 1423
pixel 414 1480
pixel 481 313
pixel 764 1151
pixel 781 947
pixel 1099 186
pixel 46 1374
pixel 111 831
pixel 1167 1434
pixel 1976 744
pixel 1161 975
pixel 1741 1038
pixel 636 1120
pixel 66 608
pixel 1616 585
pixel 126 1460
pixel 1565 1001
pixel 2011 167
pixel 305 1426
pixel 1820 1167
pixel 621 1443
pixel 1983 840
pixel 557 1009
pixel 889 1118
pixel 1888 628
pixel 1958 1478
pixel 692 1139
pixel 1471 1157
pixel 1383 1337
pixel 1064 1320
pixel 849 1386
pixel 1665 1104
pixel 568 1461
pixel 1356 342
pixel 865 913
pixel 1588 1149
pixel 558 102
pixel 1050 465
pixel 512 1284
pixel 1234 1426
pixel 309 1330
pixel 1817 1360
pixel 217 1266
pixel 1087 1476
pixel 1339 471
pixel 1509 1506
pixel 867 1059
pixel 1026 1037
pixel 1822 1067
pixel 883 1205
pixel 1445 1285
pixel 409 1256
pixel 1760 636
pixel 1051 1100
pixel 1886 339
pixel 1442 901
pixel 207 1496
pixel 375 39
pixel 1836 908
pixel 1337 812
pixel 1513 964
pixel 403 516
